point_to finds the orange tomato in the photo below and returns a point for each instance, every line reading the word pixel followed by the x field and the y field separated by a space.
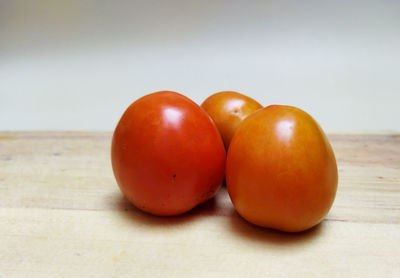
pixel 167 154
pixel 281 171
pixel 228 109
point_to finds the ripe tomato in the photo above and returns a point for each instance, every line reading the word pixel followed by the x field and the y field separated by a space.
pixel 167 154
pixel 228 109
pixel 281 171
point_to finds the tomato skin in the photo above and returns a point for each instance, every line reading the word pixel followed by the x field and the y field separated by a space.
pixel 281 171
pixel 167 155
pixel 228 109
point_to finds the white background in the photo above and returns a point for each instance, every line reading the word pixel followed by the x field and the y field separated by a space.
pixel 77 65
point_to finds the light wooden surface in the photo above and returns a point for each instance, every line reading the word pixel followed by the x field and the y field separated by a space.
pixel 62 215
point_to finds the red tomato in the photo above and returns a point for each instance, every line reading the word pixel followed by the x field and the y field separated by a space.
pixel 167 154
pixel 228 109
pixel 281 171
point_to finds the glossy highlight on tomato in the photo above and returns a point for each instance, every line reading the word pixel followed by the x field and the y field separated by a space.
pixel 167 154
pixel 281 171
pixel 228 109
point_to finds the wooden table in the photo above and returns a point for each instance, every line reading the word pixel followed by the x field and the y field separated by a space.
pixel 62 215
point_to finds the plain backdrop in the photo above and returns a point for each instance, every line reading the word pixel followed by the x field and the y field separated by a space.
pixel 77 65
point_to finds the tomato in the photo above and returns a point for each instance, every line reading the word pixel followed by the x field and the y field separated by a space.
pixel 167 154
pixel 228 109
pixel 281 171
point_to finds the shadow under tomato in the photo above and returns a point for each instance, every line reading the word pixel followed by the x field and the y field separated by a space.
pixel 256 234
pixel 130 212
pixel 219 206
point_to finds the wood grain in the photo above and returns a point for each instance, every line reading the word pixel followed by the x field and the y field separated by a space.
pixel 62 215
